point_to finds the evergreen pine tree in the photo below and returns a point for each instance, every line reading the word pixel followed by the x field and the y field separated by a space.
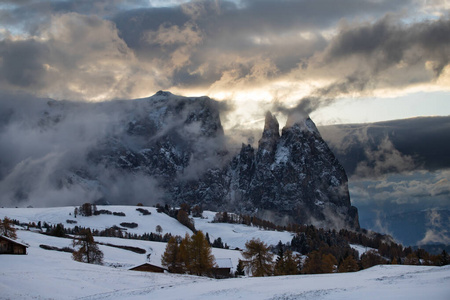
pixel 58 230
pixel 240 269
pixel 444 260
pixel 218 243
pixel 280 264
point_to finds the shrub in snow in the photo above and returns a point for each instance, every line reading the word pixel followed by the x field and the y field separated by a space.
pixel 129 225
pixel 143 211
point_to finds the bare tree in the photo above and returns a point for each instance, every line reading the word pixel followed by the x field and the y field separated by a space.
pixel 88 251
pixel 259 258
pixel 7 229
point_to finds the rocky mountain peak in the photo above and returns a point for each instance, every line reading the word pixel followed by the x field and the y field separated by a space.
pixel 268 143
pixel 301 122
pixel 163 94
pixel 271 126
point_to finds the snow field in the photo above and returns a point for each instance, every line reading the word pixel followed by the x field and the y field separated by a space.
pixel 44 274
pixel 235 235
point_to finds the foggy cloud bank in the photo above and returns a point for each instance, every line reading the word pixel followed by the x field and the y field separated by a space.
pixel 58 153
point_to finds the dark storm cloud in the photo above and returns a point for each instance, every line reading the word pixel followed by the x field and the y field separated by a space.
pixel 386 54
pixel 387 43
pixel 21 66
pixel 220 45
pixel 234 39
pixel 280 15
pixel 374 150
pixel 78 57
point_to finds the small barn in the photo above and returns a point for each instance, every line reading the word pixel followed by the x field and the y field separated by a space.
pixel 146 267
pixel 10 246
pixel 223 268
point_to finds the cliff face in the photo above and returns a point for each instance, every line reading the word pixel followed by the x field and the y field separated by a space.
pixel 172 149
pixel 296 177
pixel 292 177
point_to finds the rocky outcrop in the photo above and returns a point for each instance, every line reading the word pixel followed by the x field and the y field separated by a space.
pixel 296 177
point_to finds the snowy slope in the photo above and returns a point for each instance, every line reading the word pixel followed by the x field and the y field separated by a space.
pixel 55 215
pixel 235 235
pixel 114 257
pixel 361 249
pixel 46 274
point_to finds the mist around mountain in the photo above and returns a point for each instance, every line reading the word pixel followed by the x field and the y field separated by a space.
pixel 169 149
pixel 62 152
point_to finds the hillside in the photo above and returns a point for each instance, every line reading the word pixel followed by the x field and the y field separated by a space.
pixel 54 275
pixel 234 235
pixel 51 274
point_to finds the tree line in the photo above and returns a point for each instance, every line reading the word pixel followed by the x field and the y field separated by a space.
pixel 259 260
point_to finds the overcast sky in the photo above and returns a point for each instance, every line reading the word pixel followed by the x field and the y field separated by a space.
pixel 339 61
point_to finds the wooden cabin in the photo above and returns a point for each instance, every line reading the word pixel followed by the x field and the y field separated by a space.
pixel 222 269
pixel 146 267
pixel 10 246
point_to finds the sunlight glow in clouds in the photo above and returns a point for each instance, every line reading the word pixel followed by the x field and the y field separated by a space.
pixel 259 55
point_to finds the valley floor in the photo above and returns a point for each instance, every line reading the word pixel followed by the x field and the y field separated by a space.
pixel 44 274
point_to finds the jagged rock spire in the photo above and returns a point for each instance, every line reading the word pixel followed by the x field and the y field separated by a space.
pixel 268 142
pixel 271 126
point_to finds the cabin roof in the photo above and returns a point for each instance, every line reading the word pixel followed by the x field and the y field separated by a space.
pixel 224 263
pixel 13 241
pixel 147 264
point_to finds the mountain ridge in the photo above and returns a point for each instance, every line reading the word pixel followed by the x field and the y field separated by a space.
pixel 172 149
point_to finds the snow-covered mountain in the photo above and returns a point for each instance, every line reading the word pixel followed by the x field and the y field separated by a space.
pixel 172 149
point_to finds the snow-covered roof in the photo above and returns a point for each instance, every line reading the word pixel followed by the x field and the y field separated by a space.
pixel 149 264
pixel 224 263
pixel 13 241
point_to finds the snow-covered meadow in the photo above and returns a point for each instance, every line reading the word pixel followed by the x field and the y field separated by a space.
pixel 235 235
pixel 45 274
